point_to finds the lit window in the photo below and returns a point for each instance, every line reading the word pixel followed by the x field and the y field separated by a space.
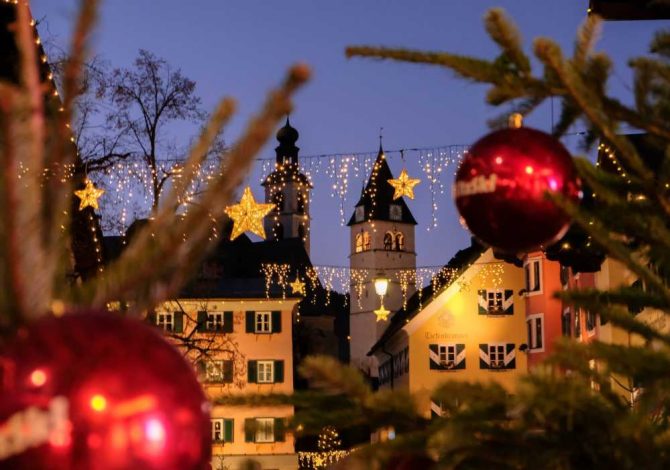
pixel 265 430
pixel 366 241
pixel 263 323
pixel 222 430
pixel 497 356
pixel 535 326
pixel 214 371
pixel 494 300
pixel 215 321
pixel 265 372
pixel 165 320
pixel 399 241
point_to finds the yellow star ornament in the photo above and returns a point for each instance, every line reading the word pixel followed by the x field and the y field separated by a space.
pixel 382 314
pixel 297 286
pixel 404 185
pixel 248 215
pixel 89 195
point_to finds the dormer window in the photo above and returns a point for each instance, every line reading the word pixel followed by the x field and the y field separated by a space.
pixel 395 212
pixel 359 215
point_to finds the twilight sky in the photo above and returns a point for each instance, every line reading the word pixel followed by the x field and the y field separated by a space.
pixel 241 48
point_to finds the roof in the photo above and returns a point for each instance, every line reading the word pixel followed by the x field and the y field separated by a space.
pixel 421 298
pixel 377 197
pixel 630 9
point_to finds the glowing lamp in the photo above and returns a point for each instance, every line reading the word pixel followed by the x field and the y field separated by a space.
pixel 381 284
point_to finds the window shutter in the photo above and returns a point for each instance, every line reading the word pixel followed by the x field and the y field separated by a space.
pixel 279 371
pixel 228 430
pixel 202 321
pixel 250 321
pixel 178 322
pixel 460 357
pixel 252 372
pixel 276 321
pixel 433 357
pixel 508 302
pixel 280 430
pixel 484 360
pixel 151 317
pixel 510 357
pixel 227 322
pixel 228 371
pixel 201 369
pixel 249 430
pixel 482 302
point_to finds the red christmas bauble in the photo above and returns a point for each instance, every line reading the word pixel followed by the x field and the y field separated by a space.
pixel 97 391
pixel 500 189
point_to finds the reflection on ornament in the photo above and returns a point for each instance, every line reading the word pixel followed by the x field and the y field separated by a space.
pixel 404 185
pixel 297 286
pixel 382 314
pixel 89 195
pixel 248 215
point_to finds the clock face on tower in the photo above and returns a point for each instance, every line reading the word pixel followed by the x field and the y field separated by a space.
pixel 360 214
pixel 395 212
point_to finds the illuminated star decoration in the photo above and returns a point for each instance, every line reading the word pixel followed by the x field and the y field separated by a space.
pixel 404 185
pixel 248 215
pixel 297 286
pixel 89 195
pixel 382 314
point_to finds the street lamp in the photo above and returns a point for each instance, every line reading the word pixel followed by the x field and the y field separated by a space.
pixel 381 284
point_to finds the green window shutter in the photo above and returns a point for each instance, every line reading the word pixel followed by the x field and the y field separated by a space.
pixel 249 430
pixel 250 317
pixel 202 321
pixel 280 430
pixel 228 371
pixel 228 430
pixel 279 371
pixel 178 322
pixel 276 321
pixel 482 302
pixel 252 372
pixel 227 322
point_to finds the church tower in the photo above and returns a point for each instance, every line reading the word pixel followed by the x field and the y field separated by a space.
pixel 288 189
pixel 382 243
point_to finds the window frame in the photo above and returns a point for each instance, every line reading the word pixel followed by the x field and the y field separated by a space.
pixel 495 301
pixel 161 323
pixel 399 241
pixel 395 212
pixel 211 364
pixel 269 423
pixel 213 325
pixel 265 326
pixel 500 356
pixel 222 422
pixel 448 350
pixel 267 377
pixel 531 325
pixel 536 287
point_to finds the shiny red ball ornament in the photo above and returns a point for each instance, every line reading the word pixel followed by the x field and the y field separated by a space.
pixel 97 391
pixel 501 184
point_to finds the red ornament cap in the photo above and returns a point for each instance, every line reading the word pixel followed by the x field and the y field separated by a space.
pixel 501 184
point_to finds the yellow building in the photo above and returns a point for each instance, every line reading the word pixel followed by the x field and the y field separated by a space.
pixel 240 346
pixel 472 329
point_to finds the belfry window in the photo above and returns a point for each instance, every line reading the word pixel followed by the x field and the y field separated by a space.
pixel 388 241
pixel 399 241
pixel 362 241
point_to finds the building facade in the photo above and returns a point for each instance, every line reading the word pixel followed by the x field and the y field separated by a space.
pixel 471 330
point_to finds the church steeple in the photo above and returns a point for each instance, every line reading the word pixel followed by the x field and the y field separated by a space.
pixel 286 151
pixel 288 189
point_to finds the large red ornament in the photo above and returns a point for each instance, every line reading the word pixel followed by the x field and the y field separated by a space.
pixel 96 391
pixel 500 189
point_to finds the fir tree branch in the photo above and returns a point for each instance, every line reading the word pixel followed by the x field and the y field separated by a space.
pixel 503 31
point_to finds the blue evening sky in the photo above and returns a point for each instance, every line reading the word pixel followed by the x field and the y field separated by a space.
pixel 241 48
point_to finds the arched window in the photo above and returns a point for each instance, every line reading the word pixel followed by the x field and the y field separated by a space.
pixel 362 242
pixel 388 241
pixel 399 241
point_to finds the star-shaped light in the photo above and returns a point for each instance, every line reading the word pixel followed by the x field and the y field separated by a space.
pixel 89 195
pixel 248 215
pixel 297 286
pixel 404 185
pixel 382 314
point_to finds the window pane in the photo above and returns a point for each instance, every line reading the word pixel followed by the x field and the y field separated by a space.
pixel 536 275
pixel 538 332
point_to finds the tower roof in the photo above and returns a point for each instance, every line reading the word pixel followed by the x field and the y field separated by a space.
pixel 287 168
pixel 377 197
